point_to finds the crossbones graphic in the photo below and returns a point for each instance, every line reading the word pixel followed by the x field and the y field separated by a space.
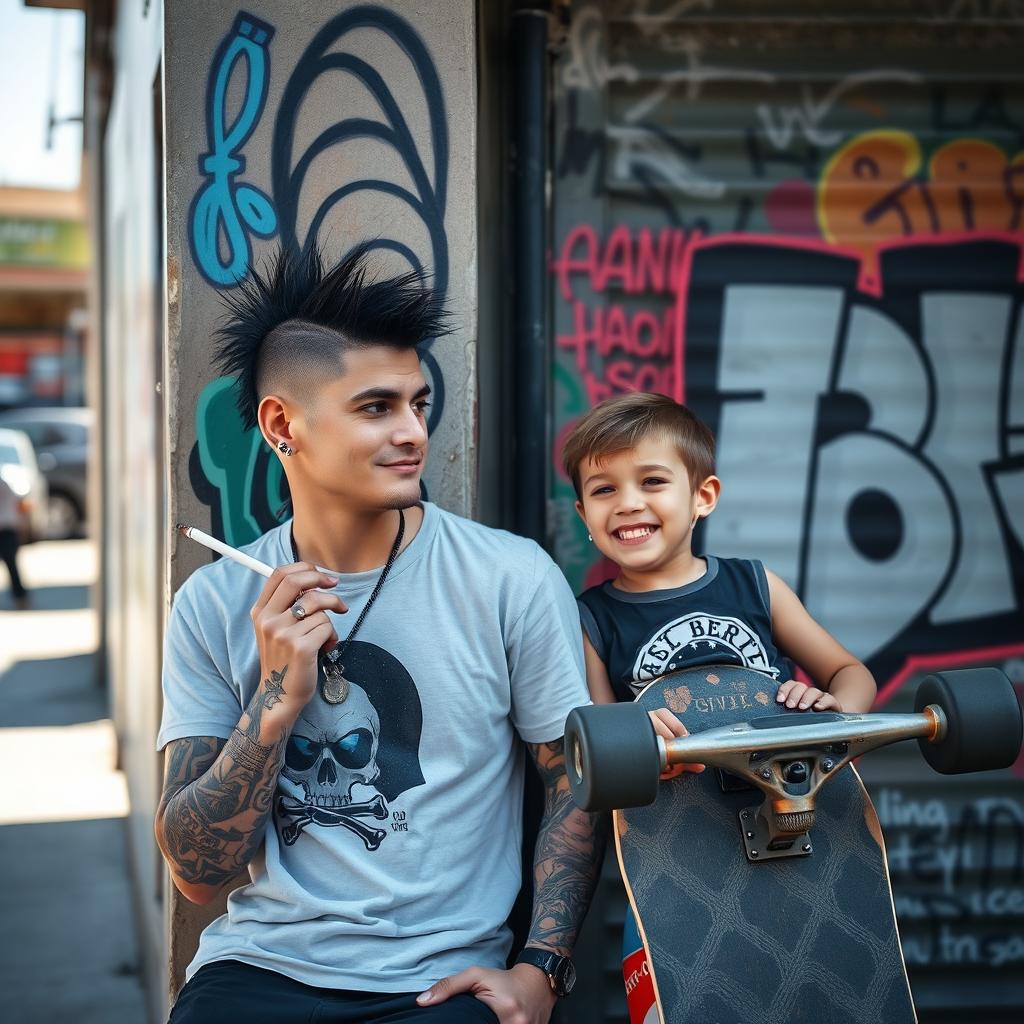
pixel 297 814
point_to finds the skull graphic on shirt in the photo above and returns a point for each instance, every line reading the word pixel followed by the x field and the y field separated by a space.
pixel 333 749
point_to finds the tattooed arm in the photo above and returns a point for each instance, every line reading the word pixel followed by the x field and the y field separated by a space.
pixel 567 859
pixel 217 796
pixel 566 866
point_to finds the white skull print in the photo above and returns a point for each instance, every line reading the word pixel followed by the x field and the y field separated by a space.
pixel 333 749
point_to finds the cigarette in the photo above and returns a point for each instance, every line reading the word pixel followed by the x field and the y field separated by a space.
pixel 225 549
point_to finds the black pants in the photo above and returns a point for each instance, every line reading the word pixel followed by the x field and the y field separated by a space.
pixel 9 555
pixel 229 991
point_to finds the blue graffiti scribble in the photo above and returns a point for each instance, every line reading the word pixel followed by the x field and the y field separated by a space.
pixel 232 470
pixel 223 208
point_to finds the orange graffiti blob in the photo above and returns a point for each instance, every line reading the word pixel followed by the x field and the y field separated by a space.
pixel 876 189
pixel 975 188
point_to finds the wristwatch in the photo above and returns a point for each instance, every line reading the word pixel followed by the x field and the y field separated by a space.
pixel 559 969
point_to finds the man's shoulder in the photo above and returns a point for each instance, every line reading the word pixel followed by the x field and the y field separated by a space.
pixel 506 548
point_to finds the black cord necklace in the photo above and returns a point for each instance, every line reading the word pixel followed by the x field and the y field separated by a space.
pixel 334 687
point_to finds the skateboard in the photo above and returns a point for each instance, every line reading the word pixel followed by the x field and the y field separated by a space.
pixel 760 887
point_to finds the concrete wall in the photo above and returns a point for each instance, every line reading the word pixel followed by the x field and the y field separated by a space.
pixel 132 523
pixel 285 165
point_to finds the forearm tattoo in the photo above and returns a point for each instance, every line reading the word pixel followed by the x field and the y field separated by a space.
pixel 567 859
pixel 246 753
pixel 218 795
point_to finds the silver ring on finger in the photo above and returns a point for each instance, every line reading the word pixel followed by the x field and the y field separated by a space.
pixel 298 611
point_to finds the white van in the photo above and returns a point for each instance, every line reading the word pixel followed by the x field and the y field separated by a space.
pixel 19 469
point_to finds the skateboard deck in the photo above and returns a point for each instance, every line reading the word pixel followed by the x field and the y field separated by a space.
pixel 798 939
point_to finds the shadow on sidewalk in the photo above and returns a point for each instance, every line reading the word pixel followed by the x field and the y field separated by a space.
pixel 71 952
pixel 50 599
pixel 51 691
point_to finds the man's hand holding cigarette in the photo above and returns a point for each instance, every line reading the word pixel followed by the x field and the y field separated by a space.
pixel 292 628
pixel 290 620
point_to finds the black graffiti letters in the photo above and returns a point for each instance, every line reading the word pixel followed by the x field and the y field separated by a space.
pixel 959 877
pixel 904 478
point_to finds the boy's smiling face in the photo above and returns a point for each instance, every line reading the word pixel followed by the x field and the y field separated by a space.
pixel 639 506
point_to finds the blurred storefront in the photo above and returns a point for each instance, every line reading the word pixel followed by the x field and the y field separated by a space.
pixel 807 225
pixel 44 286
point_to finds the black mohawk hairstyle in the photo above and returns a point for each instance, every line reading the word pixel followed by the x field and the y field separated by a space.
pixel 292 289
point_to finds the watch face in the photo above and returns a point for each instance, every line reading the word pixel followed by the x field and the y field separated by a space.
pixel 560 970
pixel 568 977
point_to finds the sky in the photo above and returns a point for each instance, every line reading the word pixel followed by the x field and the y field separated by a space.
pixel 41 54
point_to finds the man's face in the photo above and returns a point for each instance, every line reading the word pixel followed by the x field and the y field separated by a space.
pixel 364 436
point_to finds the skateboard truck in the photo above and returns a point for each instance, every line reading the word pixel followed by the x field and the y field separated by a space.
pixel 789 758
pixel 965 721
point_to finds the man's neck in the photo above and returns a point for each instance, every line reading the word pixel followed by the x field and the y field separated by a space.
pixel 344 540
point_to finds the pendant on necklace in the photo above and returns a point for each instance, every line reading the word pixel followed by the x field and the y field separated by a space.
pixel 335 687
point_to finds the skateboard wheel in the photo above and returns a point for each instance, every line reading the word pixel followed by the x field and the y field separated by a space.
pixel 612 757
pixel 983 716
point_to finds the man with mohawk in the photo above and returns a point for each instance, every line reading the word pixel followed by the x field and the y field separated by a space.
pixel 375 802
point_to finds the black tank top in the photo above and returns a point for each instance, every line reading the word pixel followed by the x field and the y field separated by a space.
pixel 722 618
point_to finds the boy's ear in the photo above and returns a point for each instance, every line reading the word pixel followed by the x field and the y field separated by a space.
pixel 707 495
pixel 580 512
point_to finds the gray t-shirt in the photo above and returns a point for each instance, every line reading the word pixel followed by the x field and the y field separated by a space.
pixel 474 638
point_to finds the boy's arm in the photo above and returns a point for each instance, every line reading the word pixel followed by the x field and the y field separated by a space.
pixel 666 725
pixel 598 683
pixel 843 683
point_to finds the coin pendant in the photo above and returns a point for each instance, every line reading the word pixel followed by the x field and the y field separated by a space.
pixel 335 687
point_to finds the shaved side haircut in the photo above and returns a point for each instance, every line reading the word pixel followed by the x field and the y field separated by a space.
pixel 290 322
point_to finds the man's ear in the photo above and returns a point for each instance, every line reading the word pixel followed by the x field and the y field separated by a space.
pixel 274 420
pixel 707 495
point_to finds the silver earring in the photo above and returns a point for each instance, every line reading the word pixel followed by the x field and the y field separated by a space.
pixel 591 539
pixel 284 448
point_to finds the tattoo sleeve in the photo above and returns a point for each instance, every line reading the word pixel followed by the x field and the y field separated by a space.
pixel 567 859
pixel 218 795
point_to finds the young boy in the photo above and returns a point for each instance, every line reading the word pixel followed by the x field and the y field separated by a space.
pixel 643 468
pixel 644 471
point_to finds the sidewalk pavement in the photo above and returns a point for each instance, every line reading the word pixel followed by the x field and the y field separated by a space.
pixel 70 947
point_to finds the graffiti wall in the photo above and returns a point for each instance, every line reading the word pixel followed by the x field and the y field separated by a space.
pixel 292 125
pixel 811 232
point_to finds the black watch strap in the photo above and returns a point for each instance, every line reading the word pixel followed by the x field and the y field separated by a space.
pixel 559 969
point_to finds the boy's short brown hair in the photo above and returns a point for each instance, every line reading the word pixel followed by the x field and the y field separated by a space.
pixel 621 423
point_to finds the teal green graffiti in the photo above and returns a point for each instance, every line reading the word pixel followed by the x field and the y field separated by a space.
pixel 572 551
pixel 228 458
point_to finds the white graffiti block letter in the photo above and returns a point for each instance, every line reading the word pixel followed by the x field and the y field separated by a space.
pixel 777 348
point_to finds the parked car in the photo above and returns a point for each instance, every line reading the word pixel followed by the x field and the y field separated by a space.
pixel 19 469
pixel 60 437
